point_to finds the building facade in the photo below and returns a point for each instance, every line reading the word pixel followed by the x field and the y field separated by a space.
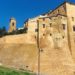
pixel 58 26
pixel 55 34
pixel 59 21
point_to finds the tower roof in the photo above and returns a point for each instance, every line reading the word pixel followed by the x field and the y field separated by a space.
pixel 12 18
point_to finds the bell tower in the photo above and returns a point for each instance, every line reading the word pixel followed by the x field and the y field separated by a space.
pixel 12 24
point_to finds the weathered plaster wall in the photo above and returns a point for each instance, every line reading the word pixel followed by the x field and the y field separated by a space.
pixel 20 51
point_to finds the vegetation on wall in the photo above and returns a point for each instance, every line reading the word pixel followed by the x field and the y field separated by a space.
pixel 3 32
pixel 7 71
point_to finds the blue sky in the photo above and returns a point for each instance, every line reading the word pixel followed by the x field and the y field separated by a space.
pixel 23 9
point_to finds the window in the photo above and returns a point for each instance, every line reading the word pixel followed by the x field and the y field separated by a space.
pixel 53 12
pixel 43 34
pixel 50 24
pixel 74 28
pixel 63 26
pixel 36 30
pixel 35 37
pixel 43 25
pixel 50 34
pixel 41 50
pixel 72 18
pixel 50 18
pixel 13 24
pixel 64 7
pixel 63 37
pixel 61 17
pixel 27 66
pixel 43 19
pixel 58 11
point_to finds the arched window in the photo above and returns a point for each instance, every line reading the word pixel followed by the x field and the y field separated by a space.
pixel 13 24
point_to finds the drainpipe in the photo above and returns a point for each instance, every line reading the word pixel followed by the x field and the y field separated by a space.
pixel 38 45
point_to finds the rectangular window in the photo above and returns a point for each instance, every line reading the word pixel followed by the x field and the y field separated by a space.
pixel 72 18
pixel 74 28
pixel 58 11
pixel 50 24
pixel 36 30
pixel 43 19
pixel 63 26
pixel 50 18
pixel 43 25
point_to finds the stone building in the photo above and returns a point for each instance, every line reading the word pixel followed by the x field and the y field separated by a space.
pixel 59 21
pixel 55 33
pixel 67 9
pixel 12 25
pixel 58 26
pixel 53 27
pixel 31 25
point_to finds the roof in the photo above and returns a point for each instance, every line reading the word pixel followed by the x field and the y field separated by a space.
pixel 61 5
pixel 55 9
pixel 54 16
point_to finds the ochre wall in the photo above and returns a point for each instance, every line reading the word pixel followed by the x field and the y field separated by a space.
pixel 70 8
pixel 56 52
pixel 20 51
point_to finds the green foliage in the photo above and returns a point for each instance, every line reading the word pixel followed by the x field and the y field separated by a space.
pixel 7 71
pixel 3 32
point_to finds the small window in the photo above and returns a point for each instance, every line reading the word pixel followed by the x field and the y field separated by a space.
pixel 64 7
pixel 50 34
pixel 43 25
pixel 63 37
pixel 43 19
pixel 41 50
pixel 73 28
pixel 50 24
pixel 13 24
pixel 58 11
pixel 72 18
pixel 36 30
pixel 35 37
pixel 27 66
pixel 61 17
pixel 43 34
pixel 50 18
pixel 53 12
pixel 63 26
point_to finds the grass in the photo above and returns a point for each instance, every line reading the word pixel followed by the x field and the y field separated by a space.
pixel 8 71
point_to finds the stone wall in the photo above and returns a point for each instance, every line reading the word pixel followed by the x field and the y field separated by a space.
pixel 20 51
